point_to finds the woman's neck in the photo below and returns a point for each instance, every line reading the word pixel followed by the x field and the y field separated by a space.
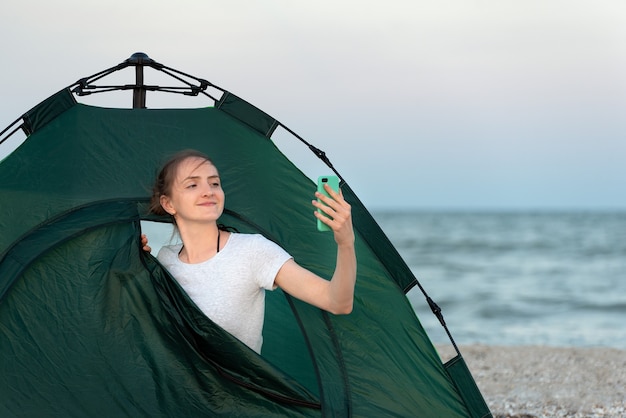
pixel 200 242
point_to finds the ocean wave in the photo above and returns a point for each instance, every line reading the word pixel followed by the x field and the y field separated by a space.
pixel 553 278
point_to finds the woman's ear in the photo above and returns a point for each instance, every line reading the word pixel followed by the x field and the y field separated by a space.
pixel 166 204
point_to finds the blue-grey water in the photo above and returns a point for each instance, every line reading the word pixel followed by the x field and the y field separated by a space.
pixel 513 278
pixel 518 278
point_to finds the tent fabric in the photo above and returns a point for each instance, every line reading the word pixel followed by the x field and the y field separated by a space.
pixel 92 325
pixel 462 377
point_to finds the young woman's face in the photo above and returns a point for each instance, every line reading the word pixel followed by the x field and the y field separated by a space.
pixel 196 193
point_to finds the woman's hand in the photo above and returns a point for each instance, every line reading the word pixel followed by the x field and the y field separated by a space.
pixel 144 243
pixel 335 295
pixel 340 213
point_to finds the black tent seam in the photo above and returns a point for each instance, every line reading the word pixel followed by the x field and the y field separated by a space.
pixel 341 361
pixel 64 214
pixel 56 244
pixel 283 399
pixel 308 345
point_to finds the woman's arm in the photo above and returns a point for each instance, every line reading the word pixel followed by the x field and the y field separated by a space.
pixel 337 295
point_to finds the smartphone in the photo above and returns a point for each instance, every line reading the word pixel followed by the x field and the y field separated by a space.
pixel 333 182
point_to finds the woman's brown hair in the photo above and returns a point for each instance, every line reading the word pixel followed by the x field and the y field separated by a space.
pixel 167 175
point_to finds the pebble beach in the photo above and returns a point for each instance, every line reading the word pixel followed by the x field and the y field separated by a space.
pixel 540 381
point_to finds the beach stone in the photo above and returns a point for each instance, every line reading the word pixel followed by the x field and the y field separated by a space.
pixel 540 381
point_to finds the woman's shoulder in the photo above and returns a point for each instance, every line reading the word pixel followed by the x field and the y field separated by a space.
pixel 247 239
pixel 247 236
pixel 252 241
pixel 168 251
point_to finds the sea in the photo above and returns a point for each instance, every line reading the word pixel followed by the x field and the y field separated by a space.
pixel 552 278
pixel 517 278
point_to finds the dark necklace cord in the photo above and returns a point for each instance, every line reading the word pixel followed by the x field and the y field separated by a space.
pixel 218 242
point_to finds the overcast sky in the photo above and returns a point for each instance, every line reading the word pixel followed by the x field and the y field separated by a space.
pixel 451 104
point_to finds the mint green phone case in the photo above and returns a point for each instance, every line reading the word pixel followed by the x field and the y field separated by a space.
pixel 333 182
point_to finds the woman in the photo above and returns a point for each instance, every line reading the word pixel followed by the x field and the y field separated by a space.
pixel 226 273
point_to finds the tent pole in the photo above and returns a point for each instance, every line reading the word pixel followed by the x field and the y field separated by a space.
pixel 139 91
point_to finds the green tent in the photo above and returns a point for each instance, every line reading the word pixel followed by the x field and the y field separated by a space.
pixel 90 325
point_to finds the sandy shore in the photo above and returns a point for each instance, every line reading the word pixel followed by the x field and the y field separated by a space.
pixel 527 382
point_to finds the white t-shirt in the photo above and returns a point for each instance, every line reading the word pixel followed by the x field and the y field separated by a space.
pixel 230 287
